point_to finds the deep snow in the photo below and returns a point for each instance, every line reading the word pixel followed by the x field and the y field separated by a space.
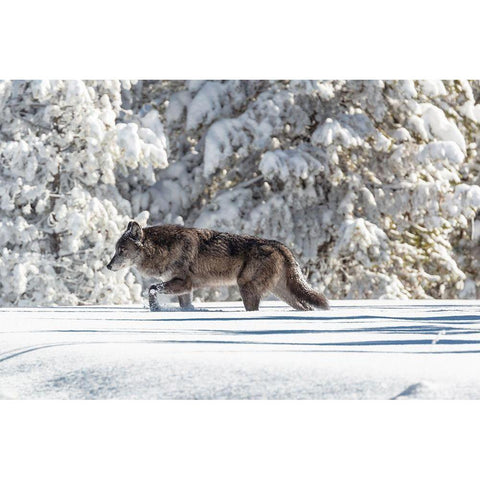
pixel 357 350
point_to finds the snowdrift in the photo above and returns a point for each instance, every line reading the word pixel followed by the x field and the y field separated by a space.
pixel 357 350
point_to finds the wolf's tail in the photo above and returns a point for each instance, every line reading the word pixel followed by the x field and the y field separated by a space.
pixel 298 286
pixel 305 294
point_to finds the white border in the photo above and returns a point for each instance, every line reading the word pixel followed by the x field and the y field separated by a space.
pixel 248 39
pixel 239 439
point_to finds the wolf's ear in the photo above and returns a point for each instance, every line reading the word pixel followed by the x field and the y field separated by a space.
pixel 135 230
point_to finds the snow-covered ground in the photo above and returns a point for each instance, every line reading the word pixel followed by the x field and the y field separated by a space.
pixel 357 350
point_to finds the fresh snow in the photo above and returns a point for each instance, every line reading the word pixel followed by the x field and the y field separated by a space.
pixel 357 350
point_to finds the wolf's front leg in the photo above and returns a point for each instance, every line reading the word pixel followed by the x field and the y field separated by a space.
pixel 177 286
pixel 185 301
pixel 152 296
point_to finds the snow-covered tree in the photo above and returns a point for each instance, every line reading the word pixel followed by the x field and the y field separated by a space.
pixel 373 184
pixel 71 176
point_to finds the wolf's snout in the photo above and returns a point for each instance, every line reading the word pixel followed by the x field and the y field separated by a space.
pixel 116 264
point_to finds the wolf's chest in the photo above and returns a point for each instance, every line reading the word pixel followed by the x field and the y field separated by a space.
pixel 155 272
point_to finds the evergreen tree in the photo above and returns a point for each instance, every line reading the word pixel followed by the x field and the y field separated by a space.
pixel 373 184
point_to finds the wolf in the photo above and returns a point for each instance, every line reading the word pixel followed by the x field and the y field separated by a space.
pixel 184 259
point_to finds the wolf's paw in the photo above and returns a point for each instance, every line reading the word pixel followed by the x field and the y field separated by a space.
pixel 154 306
pixel 156 288
pixel 152 296
pixel 187 308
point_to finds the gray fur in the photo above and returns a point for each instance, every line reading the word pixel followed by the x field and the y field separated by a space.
pixel 194 258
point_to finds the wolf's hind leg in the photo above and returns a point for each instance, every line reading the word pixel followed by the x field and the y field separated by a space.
pixel 250 296
pixel 185 301
pixel 256 279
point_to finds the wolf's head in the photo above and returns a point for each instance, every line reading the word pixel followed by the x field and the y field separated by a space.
pixel 128 248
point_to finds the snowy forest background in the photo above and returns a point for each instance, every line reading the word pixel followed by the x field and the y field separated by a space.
pixel 372 184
